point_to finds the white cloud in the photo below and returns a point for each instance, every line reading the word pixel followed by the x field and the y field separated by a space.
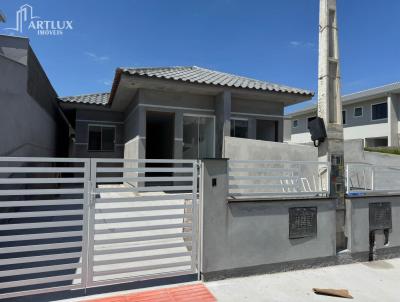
pixel 96 57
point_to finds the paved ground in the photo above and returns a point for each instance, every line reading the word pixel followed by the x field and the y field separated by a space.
pixel 367 282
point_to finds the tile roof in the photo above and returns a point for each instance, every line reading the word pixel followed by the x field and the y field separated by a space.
pixel 94 98
pixel 194 74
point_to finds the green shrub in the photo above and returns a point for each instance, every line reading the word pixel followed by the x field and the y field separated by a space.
pixel 388 150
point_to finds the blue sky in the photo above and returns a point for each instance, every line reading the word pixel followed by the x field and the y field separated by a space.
pixel 269 40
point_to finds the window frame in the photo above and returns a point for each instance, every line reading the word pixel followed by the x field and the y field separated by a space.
pixel 240 119
pixel 362 112
pixel 214 126
pixel 372 112
pixel 101 142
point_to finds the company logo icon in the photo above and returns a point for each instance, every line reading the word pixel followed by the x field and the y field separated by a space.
pixel 25 19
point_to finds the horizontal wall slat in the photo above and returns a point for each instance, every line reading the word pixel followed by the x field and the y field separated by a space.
pixel 262 170
pixel 40 214
pixel 41 180
pixel 49 202
pixel 142 179
pixel 36 281
pixel 39 225
pixel 236 187
pixel 117 160
pixel 234 161
pixel 144 189
pixel 40 236
pixel 40 192
pixel 40 247
pixel 40 291
pixel 141 268
pixel 142 258
pixel 33 259
pixel 139 209
pixel 44 159
pixel 142 238
pixel 239 177
pixel 140 218
pixel 144 170
pixel 40 269
pixel 140 248
pixel 277 194
pixel 145 198
pixel 114 230
pixel 41 170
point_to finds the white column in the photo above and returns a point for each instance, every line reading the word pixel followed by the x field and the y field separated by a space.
pixel 393 121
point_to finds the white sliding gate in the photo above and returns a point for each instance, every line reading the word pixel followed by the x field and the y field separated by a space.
pixel 78 223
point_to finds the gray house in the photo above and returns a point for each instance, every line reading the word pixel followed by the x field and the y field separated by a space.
pixel 29 104
pixel 176 112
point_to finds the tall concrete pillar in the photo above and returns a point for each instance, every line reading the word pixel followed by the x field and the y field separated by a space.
pixel 223 121
pixel 330 109
pixel 393 120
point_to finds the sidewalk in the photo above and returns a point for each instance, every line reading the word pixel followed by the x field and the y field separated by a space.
pixel 367 282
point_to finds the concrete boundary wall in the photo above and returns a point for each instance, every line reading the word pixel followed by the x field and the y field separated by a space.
pixel 358 227
pixel 249 237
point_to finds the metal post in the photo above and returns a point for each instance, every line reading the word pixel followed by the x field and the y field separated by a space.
pixel 194 219
pixel 85 228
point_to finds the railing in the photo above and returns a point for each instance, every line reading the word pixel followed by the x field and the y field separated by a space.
pixel 271 178
pixel 363 179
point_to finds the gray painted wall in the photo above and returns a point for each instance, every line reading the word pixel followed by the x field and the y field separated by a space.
pixel 240 235
pixel 246 149
pixel 30 123
pixel 358 224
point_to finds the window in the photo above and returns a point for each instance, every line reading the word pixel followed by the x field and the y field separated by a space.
pixel 239 128
pixel 310 119
pixel 101 138
pixel 344 117
pixel 198 137
pixel 295 123
pixel 379 111
pixel 358 111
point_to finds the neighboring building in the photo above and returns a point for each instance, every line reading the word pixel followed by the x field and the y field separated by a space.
pixel 31 121
pixel 176 112
pixel 371 115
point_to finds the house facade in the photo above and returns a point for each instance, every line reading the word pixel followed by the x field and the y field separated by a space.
pixel 176 112
pixel 371 115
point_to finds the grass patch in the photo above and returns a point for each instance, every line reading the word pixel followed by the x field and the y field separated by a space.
pixel 387 150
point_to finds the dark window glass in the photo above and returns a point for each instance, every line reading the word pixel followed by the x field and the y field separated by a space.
pixel 107 139
pixel 101 138
pixel 379 111
pixel 239 128
pixel 295 123
pixel 358 111
pixel 94 138
pixel 344 117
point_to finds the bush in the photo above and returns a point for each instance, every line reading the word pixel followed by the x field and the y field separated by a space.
pixel 388 150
